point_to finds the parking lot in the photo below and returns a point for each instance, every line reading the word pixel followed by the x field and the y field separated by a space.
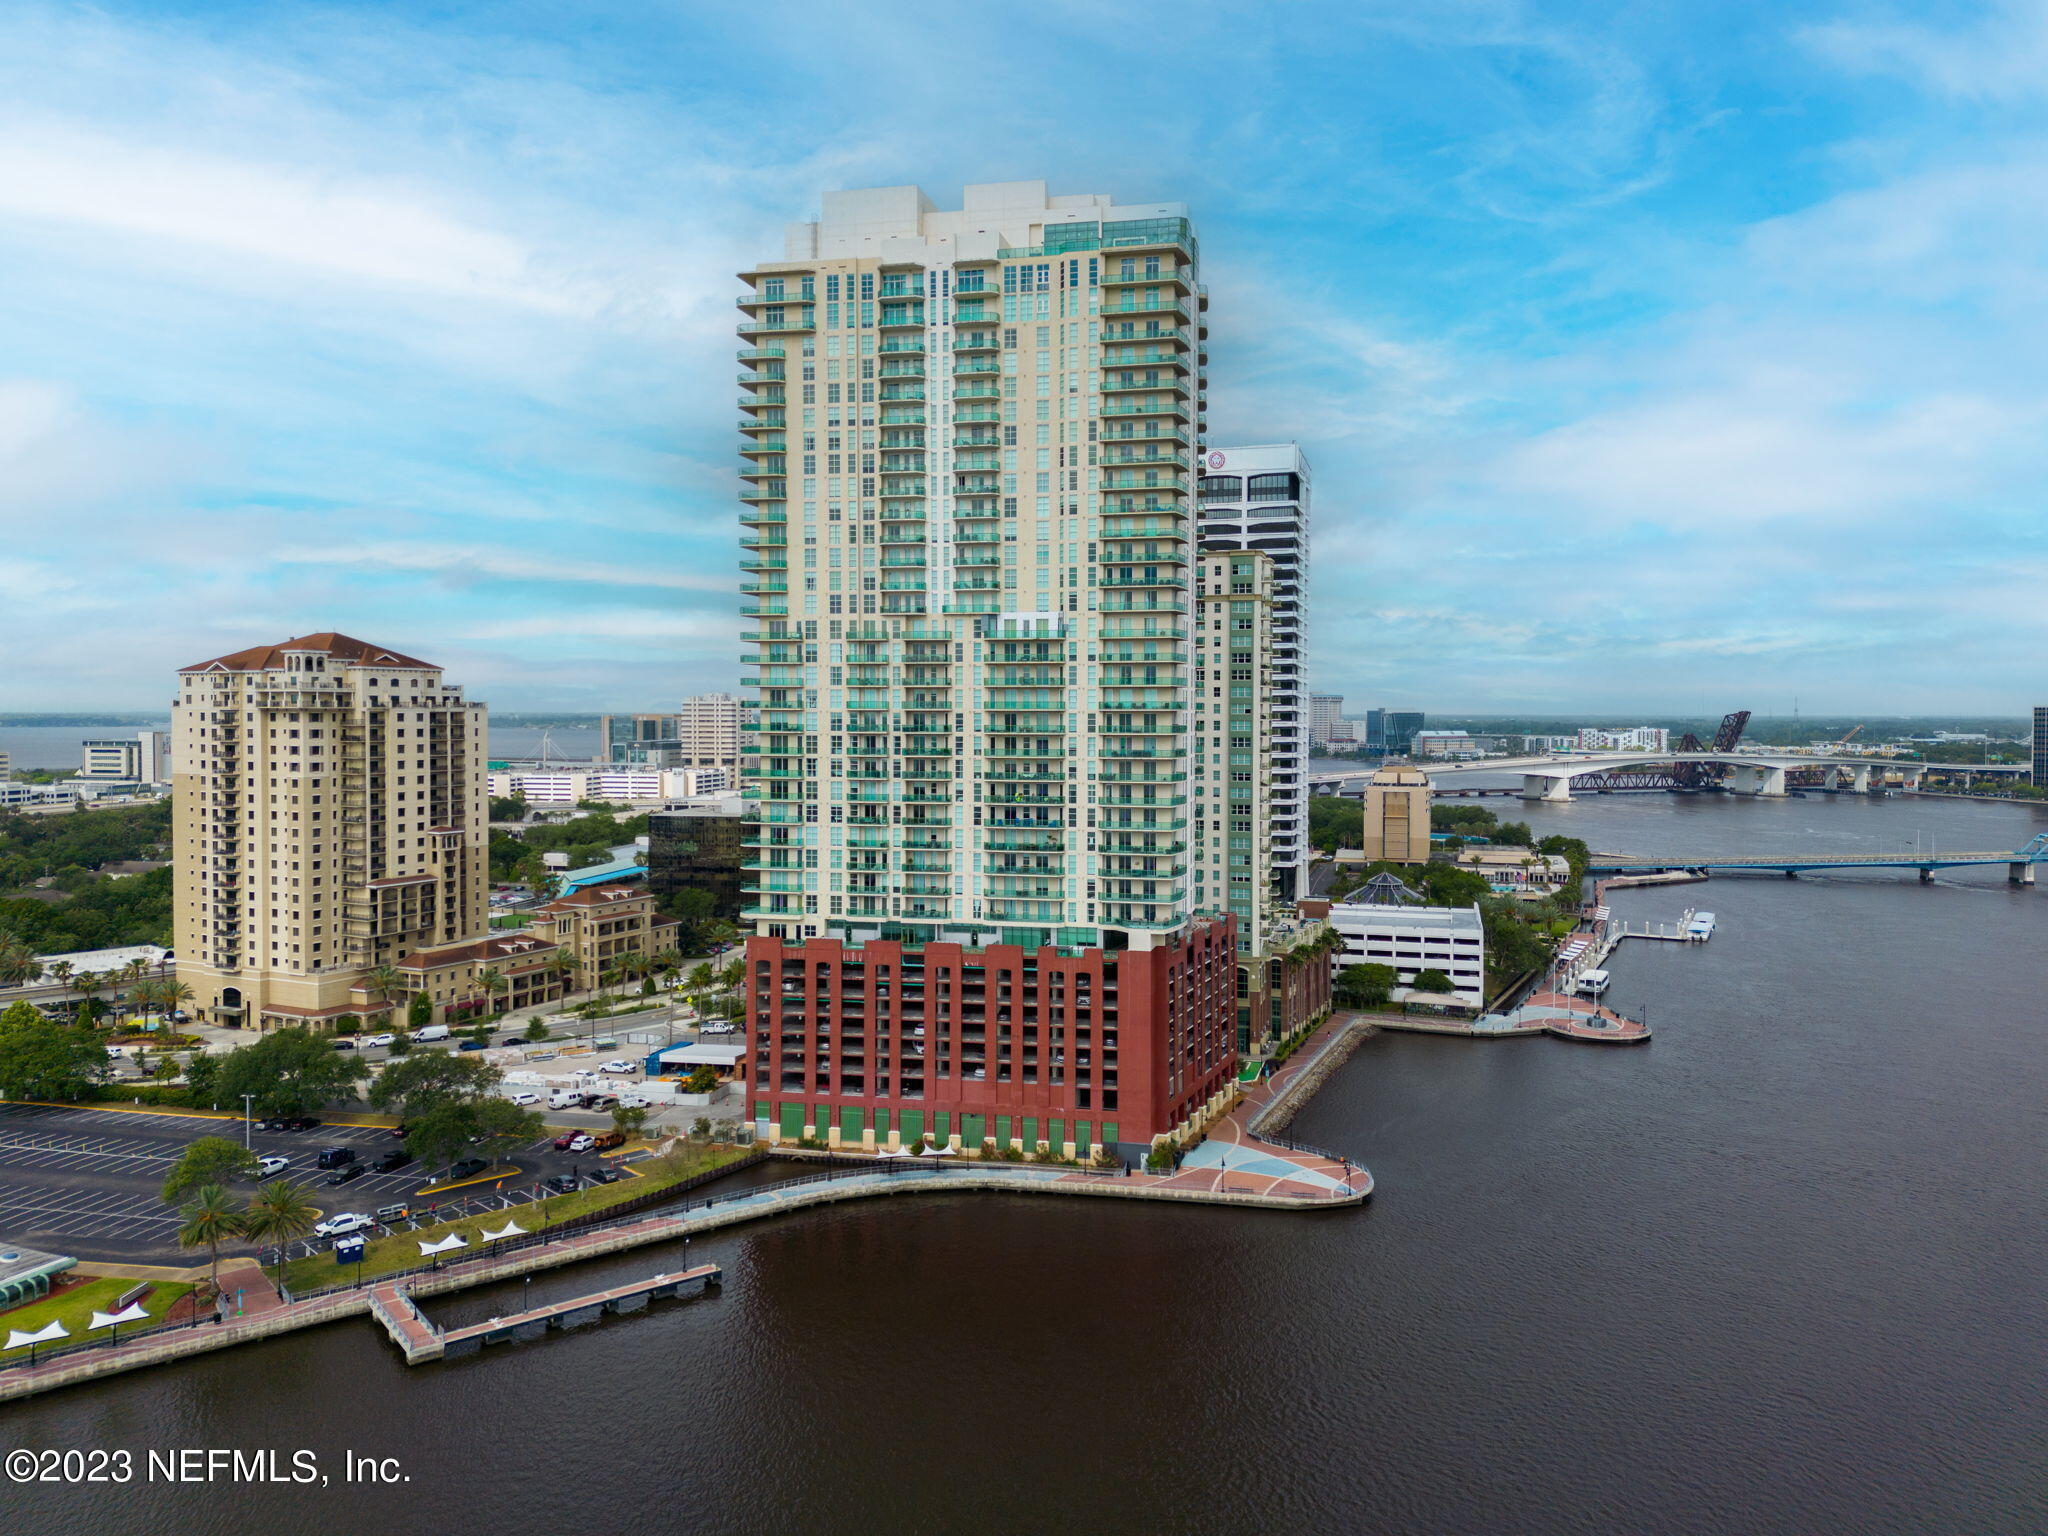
pixel 86 1181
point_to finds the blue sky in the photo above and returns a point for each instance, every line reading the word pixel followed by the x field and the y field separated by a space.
pixel 1671 357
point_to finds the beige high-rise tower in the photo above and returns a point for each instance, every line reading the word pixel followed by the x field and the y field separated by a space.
pixel 330 819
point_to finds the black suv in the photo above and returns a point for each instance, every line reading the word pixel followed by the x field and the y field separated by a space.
pixel 336 1157
pixel 563 1183
pixel 347 1174
pixel 393 1160
pixel 468 1168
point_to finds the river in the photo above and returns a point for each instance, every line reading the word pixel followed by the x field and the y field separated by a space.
pixel 1779 1271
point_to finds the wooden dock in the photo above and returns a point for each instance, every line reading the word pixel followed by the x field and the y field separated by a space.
pixel 420 1340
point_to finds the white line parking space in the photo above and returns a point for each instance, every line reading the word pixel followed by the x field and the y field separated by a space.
pixel 93 1213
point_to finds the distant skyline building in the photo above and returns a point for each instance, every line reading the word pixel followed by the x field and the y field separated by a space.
pixel 968 456
pixel 1325 716
pixel 1401 728
pixel 328 819
pixel 2041 744
pixel 143 758
pixel 1639 738
pixel 703 733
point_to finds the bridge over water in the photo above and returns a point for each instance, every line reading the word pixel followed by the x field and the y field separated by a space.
pixel 1554 775
pixel 2019 862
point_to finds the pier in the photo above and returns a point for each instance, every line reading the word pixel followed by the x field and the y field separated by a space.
pixel 420 1340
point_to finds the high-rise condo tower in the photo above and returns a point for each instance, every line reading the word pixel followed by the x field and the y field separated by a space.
pixel 968 443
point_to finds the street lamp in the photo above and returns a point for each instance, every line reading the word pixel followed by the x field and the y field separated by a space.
pixel 248 1099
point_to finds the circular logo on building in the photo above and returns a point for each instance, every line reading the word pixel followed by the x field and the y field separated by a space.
pixel 1215 461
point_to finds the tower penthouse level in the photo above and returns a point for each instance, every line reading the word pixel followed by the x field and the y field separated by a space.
pixel 968 442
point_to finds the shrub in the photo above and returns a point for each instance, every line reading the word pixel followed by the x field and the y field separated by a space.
pixel 419 1013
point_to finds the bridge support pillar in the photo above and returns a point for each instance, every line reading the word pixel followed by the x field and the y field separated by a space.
pixel 1927 874
pixel 1757 779
pixel 1546 786
pixel 1859 780
pixel 1913 780
pixel 2020 872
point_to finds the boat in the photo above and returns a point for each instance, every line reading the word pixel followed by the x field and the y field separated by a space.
pixel 1591 983
pixel 1701 928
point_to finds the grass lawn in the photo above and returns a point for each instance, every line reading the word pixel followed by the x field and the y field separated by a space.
pixel 402 1250
pixel 74 1308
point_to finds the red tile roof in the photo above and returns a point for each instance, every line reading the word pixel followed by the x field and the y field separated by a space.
pixel 258 658
pixel 595 896
pixel 508 948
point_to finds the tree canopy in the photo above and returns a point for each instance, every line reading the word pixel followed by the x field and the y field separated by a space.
pixel 42 1060
pixel 427 1079
pixel 209 1160
pixel 287 1072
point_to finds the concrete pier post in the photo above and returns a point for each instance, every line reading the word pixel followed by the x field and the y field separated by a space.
pixel 2020 872
pixel 1545 786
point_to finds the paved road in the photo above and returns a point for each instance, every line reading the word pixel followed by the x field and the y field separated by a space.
pixel 85 1181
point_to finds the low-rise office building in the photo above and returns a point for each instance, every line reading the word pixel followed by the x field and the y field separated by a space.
pixel 560 788
pixel 451 975
pixel 1417 939
pixel 1518 869
pixel 698 847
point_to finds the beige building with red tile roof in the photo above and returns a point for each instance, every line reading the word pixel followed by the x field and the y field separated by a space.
pixel 602 924
pixel 450 975
pixel 329 819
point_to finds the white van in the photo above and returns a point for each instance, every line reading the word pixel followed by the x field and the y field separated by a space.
pixel 563 1098
pixel 432 1032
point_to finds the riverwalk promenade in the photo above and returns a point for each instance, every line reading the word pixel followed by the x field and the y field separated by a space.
pixel 1234 1166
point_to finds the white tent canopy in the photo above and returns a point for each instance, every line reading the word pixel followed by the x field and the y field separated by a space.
pixel 16 1339
pixel 447 1245
pixel 510 1229
pixel 132 1313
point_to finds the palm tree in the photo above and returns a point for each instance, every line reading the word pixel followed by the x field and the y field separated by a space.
pixel 210 1220
pixel 279 1214
pixel 386 982
pixel 60 973
pixel 491 981
pixel 18 965
pixel 563 968
pixel 700 981
pixel 172 996
pixel 729 981
pixel 85 984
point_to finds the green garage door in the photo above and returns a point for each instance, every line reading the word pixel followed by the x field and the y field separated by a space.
pixel 1056 1133
pixel 851 1123
pixel 972 1130
pixel 1081 1136
pixel 1002 1132
pixel 910 1125
pixel 792 1121
pixel 1031 1133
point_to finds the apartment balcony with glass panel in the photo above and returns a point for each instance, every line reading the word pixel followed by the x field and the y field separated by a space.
pixel 977 389
pixel 1117 273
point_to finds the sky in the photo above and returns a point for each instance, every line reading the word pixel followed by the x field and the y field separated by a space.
pixel 1668 357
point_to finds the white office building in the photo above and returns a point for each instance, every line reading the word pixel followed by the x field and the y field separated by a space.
pixel 1638 738
pixel 1417 939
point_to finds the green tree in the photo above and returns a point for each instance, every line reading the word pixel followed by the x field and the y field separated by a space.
pixel 50 1061
pixel 428 1079
pixel 502 1127
pixel 1335 822
pixel 18 1015
pixel 536 1029
pixel 703 1080
pixel 630 1119
pixel 387 982
pixel 210 1220
pixel 492 1126
pixel 1432 980
pixel 287 1072
pixel 419 1012
pixel 492 983
pixel 281 1214
pixel 18 963
pixel 202 1079
pixel 208 1161
pixel 1365 986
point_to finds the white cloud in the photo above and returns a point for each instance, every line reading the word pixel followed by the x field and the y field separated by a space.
pixel 654 625
pixel 459 562
pixel 2003 57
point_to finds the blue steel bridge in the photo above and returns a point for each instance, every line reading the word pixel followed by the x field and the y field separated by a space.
pixel 2019 862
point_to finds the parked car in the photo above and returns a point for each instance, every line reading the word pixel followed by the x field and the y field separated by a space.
pixel 562 1183
pixel 605 1176
pixel 341 1223
pixel 273 1124
pixel 599 1100
pixel 271 1167
pixel 567 1141
pixel 432 1032
pixel 620 1066
pixel 387 1214
pixel 336 1157
pixel 561 1098
pixel 391 1161
pixel 347 1173
pixel 299 1123
pixel 386 1038
pixel 522 1097
pixel 473 1045
pixel 718 1029
pixel 604 1141
pixel 344 1042
pixel 468 1168
pixel 399 1130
